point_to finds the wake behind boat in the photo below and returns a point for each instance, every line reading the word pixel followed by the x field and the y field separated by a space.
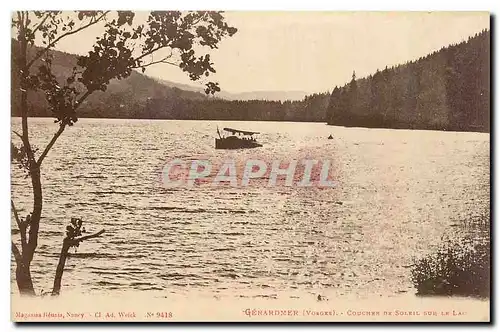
pixel 237 139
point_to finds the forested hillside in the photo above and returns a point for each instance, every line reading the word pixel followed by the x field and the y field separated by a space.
pixel 123 98
pixel 446 90
pixel 142 97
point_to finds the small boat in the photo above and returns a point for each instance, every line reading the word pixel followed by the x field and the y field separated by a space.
pixel 237 139
pixel 330 137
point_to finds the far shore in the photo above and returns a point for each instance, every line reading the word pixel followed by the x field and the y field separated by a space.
pixel 257 121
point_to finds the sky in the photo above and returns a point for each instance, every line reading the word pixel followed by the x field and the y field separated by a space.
pixel 314 51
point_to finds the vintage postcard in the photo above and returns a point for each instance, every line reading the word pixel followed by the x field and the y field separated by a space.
pixel 202 166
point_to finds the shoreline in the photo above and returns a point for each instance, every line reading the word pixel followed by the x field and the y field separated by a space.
pixel 277 121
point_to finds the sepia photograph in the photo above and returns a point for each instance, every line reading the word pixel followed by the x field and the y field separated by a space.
pixel 250 166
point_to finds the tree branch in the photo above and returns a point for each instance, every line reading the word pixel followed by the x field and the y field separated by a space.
pixel 20 136
pixel 27 19
pixel 17 254
pixel 41 23
pixel 62 126
pixel 21 225
pixel 148 53
pixel 164 60
pixel 69 33
pixel 20 18
pixel 82 98
pixel 22 139
pixel 24 96
pixel 61 129
pixel 86 237
pixel 198 20
pixel 15 213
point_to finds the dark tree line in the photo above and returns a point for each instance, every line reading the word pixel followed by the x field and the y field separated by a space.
pixel 312 108
pixel 446 90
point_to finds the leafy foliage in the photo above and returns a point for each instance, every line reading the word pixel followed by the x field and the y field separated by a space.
pixel 73 230
pixel 457 268
pixel 19 156
pixel 123 47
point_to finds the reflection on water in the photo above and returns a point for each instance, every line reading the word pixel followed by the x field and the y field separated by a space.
pixel 398 192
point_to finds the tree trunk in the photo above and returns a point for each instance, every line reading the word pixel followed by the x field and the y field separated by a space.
pixel 23 279
pixel 37 212
pixel 23 273
pixel 68 242
pixel 60 267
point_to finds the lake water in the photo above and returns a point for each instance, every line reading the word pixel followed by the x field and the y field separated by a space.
pixel 398 193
